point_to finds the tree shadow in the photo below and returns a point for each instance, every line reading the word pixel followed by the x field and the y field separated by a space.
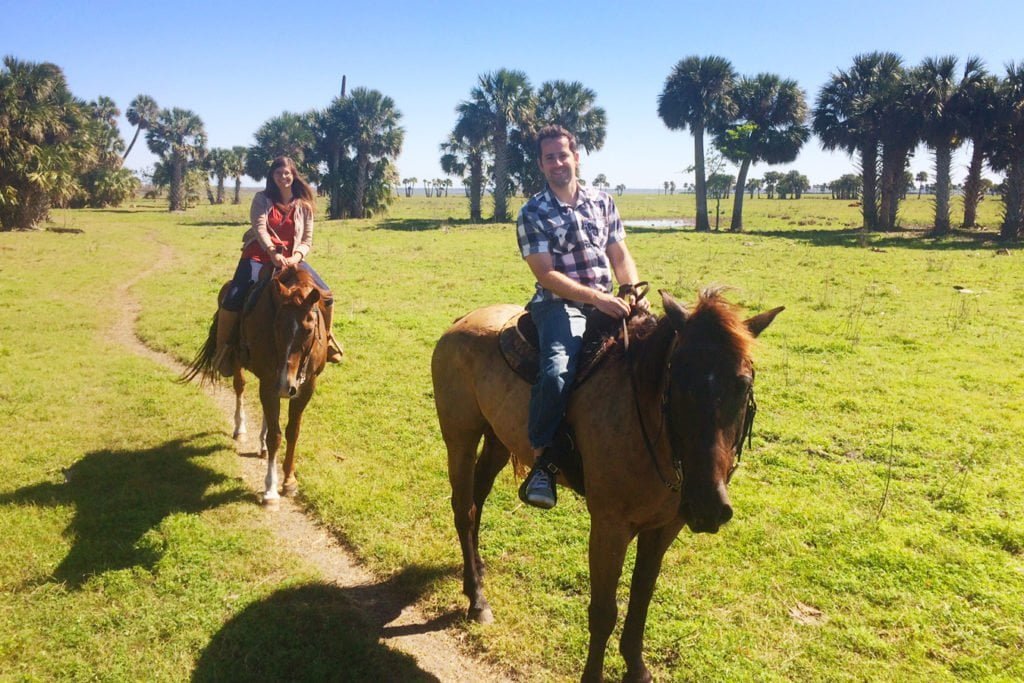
pixel 422 224
pixel 956 240
pixel 214 224
pixel 118 496
pixel 321 632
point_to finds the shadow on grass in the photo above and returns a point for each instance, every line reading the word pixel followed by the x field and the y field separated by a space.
pixel 956 240
pixel 422 224
pixel 214 224
pixel 320 632
pixel 118 496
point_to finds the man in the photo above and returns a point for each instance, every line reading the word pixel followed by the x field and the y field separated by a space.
pixel 573 240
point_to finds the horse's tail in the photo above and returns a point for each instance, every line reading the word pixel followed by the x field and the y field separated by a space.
pixel 202 365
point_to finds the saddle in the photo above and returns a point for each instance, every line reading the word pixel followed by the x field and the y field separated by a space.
pixel 518 341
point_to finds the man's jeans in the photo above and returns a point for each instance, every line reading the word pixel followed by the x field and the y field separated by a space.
pixel 560 326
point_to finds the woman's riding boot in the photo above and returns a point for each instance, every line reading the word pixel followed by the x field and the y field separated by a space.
pixel 334 350
pixel 227 341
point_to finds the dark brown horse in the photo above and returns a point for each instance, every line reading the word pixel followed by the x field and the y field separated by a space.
pixel 284 343
pixel 659 430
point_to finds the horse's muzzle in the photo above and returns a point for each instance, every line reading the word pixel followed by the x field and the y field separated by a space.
pixel 705 511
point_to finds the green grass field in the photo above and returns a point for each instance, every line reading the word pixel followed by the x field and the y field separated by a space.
pixel 878 531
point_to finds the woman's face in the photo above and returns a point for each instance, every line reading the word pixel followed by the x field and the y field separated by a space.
pixel 283 178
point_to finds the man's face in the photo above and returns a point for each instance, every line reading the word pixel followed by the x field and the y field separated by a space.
pixel 557 162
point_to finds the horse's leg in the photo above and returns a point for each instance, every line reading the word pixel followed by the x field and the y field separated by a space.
pixel 291 433
pixel 239 383
pixel 263 436
pixel 650 549
pixel 607 552
pixel 493 459
pixel 272 423
pixel 461 475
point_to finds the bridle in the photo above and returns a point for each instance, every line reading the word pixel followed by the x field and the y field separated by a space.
pixel 745 434
pixel 305 364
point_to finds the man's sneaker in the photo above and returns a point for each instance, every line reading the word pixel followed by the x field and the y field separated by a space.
pixel 538 489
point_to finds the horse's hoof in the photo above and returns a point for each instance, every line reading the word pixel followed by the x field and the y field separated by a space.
pixel 481 615
pixel 271 503
pixel 239 432
pixel 289 489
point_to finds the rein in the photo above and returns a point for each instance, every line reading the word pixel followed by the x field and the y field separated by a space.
pixel 746 433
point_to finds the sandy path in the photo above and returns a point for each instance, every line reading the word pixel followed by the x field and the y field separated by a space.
pixel 434 646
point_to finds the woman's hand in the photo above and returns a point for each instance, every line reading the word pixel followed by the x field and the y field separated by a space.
pixel 294 259
pixel 279 260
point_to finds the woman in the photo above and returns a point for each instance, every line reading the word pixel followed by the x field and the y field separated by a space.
pixel 281 235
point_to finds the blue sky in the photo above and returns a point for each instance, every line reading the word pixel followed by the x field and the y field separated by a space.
pixel 237 68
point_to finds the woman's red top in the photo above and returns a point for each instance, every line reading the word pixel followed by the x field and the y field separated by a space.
pixel 281 224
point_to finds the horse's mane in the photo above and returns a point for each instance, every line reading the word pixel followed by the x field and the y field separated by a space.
pixel 713 323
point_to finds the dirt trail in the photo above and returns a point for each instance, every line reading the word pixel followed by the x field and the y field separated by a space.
pixel 434 646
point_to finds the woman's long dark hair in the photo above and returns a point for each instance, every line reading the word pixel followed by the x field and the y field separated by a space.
pixel 300 188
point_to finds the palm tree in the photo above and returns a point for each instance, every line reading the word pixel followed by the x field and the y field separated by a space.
pixel 289 135
pixel 922 180
pixel 1006 150
pixel 980 113
pixel 698 94
pixel 177 136
pixel 142 112
pixel 941 95
pixel 771 129
pixel 466 150
pixel 847 116
pixel 332 149
pixel 507 98
pixel 371 121
pixel 218 163
pixel 236 169
pixel 42 146
pixel 619 189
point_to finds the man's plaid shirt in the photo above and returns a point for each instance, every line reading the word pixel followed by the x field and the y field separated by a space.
pixel 577 237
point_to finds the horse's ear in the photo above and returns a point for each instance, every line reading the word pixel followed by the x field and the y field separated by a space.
pixel 282 289
pixel 759 322
pixel 313 297
pixel 676 312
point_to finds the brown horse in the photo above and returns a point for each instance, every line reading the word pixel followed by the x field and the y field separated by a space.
pixel 284 343
pixel 659 427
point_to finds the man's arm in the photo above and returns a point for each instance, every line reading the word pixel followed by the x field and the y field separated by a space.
pixel 567 288
pixel 625 268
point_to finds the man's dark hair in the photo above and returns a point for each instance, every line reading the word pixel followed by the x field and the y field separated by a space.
pixel 553 132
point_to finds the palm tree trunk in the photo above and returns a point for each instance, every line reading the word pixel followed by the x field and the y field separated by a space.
pixel 138 129
pixel 1013 203
pixel 500 173
pixel 476 183
pixel 334 171
pixel 869 181
pixel 238 190
pixel 737 202
pixel 220 189
pixel 177 193
pixel 701 188
pixel 362 169
pixel 942 160
pixel 972 185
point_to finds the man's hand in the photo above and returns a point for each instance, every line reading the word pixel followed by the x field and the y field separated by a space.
pixel 611 305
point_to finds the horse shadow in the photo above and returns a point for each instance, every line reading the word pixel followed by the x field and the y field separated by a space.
pixel 321 632
pixel 120 495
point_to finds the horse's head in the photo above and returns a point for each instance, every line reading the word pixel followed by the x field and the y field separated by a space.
pixel 299 334
pixel 709 401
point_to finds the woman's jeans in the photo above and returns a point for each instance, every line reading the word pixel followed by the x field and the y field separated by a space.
pixel 560 326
